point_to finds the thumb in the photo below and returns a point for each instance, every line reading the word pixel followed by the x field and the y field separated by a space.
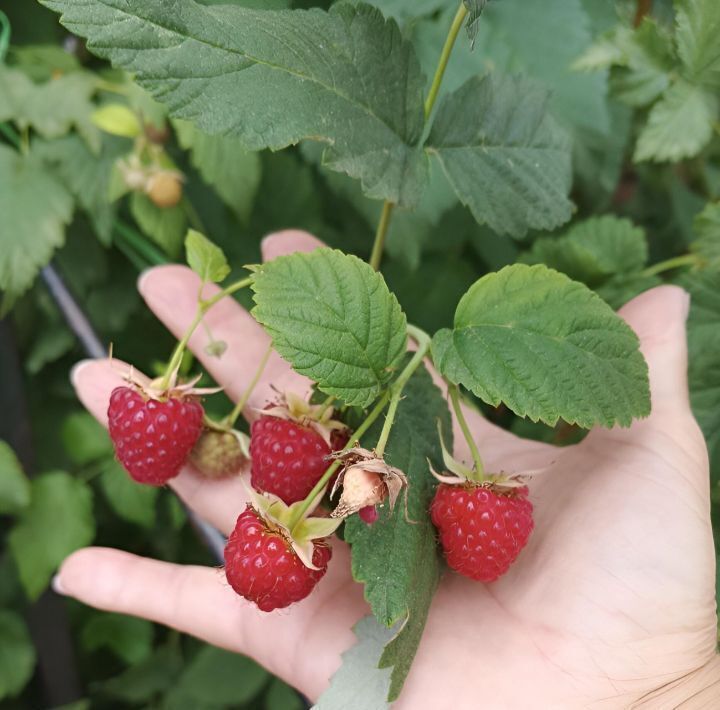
pixel 658 317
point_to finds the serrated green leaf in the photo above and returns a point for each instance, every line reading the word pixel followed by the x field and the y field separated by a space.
pixel 334 319
pixel 41 62
pixel 225 164
pixel 359 683
pixel 14 486
pixel 506 158
pixel 546 346
pixel 35 207
pixel 118 120
pixel 397 560
pixel 128 637
pixel 17 654
pixel 129 500
pixel 166 226
pixel 679 125
pixel 205 258
pixel 87 175
pixel 236 71
pixel 593 250
pixel 58 521
pixel 706 227
pixel 619 289
pixel 698 37
pixel 53 108
pixel 703 364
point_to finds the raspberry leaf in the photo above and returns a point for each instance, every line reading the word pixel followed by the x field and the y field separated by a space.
pixel 359 683
pixel 14 485
pixel 17 654
pixel 395 558
pixel 334 319
pixel 164 225
pixel 547 347
pixel 58 521
pixel 508 161
pixel 225 164
pixel 352 81
pixel 205 258
pixel 35 207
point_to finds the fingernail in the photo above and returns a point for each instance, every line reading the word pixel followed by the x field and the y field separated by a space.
pixel 76 370
pixel 57 585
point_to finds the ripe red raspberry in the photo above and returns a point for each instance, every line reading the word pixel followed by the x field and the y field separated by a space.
pixel 288 458
pixel 261 565
pixel 482 530
pixel 153 438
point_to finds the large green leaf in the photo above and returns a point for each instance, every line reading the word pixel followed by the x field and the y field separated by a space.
pixel 334 319
pixel 34 207
pixel 272 78
pixel 358 683
pixel 703 362
pixel 142 681
pixel 706 226
pixel 58 521
pixel 14 486
pixel 504 155
pixel 166 226
pixel 546 346
pixel 679 125
pixel 225 164
pixel 593 250
pixel 17 655
pixel 698 37
pixel 129 500
pixel 128 637
pixel 396 558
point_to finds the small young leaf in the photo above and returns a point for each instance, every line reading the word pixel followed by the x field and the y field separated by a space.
pixel 205 258
pixel 508 161
pixel 225 164
pixel 17 654
pixel 397 560
pixel 546 346
pixel 679 125
pixel 118 120
pixel 14 486
pixel 128 637
pixel 593 250
pixel 35 207
pixel 359 683
pixel 334 319
pixel 58 521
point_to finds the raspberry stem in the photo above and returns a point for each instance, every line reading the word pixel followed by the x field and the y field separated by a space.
pixel 454 392
pixel 233 416
pixel 386 214
pixel 423 341
pixel 203 307
pixel 674 263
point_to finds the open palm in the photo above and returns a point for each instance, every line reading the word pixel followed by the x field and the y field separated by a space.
pixel 611 604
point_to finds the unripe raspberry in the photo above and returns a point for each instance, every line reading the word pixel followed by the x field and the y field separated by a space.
pixel 164 189
pixel 218 454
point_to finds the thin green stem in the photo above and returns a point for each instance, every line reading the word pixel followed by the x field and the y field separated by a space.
pixel 444 57
pixel 10 133
pixel 139 244
pixel 4 35
pixel 202 308
pixel 387 210
pixel 674 263
pixel 324 406
pixel 320 485
pixel 381 234
pixel 396 389
pixel 233 416
pixel 457 407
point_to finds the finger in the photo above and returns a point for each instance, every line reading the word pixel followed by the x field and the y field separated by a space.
pixel 217 502
pixel 301 644
pixel 658 317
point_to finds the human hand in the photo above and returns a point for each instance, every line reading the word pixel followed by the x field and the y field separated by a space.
pixel 611 604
